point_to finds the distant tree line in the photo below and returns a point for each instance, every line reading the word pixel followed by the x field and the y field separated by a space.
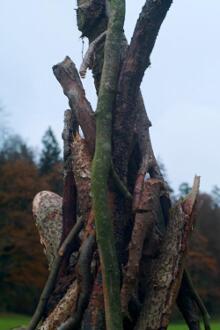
pixel 23 268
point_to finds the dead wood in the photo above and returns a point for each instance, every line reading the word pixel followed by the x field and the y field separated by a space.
pixel 145 220
pixel 49 286
pixel 84 280
pixel 47 212
pixel 67 75
pixel 81 163
pixel 168 269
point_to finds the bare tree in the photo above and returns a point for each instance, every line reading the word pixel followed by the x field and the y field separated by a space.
pixel 117 253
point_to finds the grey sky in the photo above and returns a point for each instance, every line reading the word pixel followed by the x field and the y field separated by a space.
pixel 181 89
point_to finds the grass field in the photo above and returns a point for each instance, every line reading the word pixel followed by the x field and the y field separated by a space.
pixel 214 326
pixel 9 321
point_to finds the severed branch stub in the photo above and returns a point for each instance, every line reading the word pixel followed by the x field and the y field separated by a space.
pixel 69 190
pixel 168 269
pixel 53 275
pixel 67 75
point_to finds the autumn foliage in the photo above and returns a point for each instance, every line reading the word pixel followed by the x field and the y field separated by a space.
pixel 23 267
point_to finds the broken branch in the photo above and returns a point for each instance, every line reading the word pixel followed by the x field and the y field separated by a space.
pixel 168 268
pixel 67 75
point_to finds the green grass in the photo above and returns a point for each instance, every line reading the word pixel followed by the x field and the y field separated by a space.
pixel 214 326
pixel 9 321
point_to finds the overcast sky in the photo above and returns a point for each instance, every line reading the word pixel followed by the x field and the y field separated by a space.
pixel 181 89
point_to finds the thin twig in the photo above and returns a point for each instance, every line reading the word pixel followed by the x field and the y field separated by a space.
pixel 84 267
pixel 53 275
pixel 120 185
pixel 199 302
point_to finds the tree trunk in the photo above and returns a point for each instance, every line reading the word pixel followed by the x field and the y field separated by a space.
pixel 125 268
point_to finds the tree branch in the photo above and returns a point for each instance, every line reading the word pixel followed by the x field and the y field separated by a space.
pixel 53 275
pixel 67 75
pixel 84 282
pixel 142 43
pixel 198 301
pixel 135 63
pixel 168 268
pixel 69 190
pixel 145 220
pixel 102 165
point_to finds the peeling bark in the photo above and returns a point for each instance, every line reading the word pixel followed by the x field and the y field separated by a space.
pixel 81 163
pixel 168 269
pixel 47 212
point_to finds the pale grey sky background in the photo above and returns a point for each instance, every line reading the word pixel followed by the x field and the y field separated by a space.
pixel 181 89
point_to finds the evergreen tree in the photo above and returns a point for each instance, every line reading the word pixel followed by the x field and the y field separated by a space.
pixel 14 148
pixel 50 155
pixel 50 165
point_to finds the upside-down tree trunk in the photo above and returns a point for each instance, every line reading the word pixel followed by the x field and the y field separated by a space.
pixel 124 264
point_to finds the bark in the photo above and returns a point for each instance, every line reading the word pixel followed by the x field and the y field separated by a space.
pixel 168 269
pixel 135 63
pixel 69 190
pixel 84 283
pixel 81 163
pixel 53 275
pixel 67 75
pixel 139 207
pixel 47 212
pixel 63 309
pixel 102 165
pixel 145 220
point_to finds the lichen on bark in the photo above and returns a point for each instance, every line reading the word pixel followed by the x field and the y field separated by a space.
pixel 101 167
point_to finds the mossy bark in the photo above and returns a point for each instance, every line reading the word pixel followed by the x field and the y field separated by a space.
pixel 102 164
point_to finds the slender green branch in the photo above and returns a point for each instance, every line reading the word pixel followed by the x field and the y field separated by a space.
pixel 199 302
pixel 49 286
pixel 119 183
pixel 102 166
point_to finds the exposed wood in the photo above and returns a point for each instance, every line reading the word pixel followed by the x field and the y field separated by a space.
pixel 81 163
pixel 53 275
pixel 67 75
pixel 47 212
pixel 63 310
pixel 145 220
pixel 168 268
pixel 90 54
